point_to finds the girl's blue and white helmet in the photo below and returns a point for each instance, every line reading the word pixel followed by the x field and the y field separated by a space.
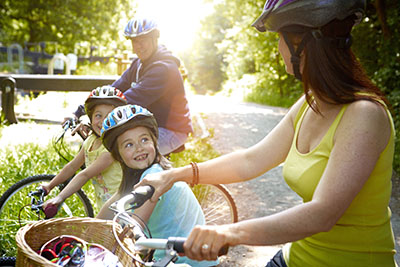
pixel 140 27
pixel 123 118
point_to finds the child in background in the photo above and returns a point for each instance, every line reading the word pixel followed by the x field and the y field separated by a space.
pixel 130 133
pixel 104 171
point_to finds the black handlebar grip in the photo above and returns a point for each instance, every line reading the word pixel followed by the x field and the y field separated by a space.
pixel 147 190
pixel 177 243
pixel 223 250
pixel 141 194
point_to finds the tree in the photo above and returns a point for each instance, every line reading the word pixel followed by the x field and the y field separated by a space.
pixel 64 22
pixel 231 54
pixel 205 61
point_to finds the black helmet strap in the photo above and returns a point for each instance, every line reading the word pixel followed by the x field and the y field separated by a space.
pixel 295 53
pixel 339 42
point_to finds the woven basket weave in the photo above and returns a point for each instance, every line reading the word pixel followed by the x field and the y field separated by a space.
pixel 32 236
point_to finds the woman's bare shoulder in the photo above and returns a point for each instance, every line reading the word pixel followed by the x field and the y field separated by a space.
pixel 295 108
pixel 369 119
pixel 368 111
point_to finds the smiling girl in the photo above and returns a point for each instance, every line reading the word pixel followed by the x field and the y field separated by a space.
pixel 130 133
pixel 104 171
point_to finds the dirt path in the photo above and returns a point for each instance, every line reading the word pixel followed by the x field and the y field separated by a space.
pixel 239 125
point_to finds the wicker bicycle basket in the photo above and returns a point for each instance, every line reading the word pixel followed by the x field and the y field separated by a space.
pixel 32 236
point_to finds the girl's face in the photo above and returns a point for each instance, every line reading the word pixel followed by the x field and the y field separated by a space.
pixel 99 114
pixel 136 148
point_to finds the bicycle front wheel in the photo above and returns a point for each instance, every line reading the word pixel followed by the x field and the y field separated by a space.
pixel 217 204
pixel 15 209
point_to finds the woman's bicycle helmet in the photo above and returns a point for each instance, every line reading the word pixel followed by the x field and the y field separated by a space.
pixel 106 95
pixel 307 16
pixel 123 118
pixel 308 13
pixel 140 27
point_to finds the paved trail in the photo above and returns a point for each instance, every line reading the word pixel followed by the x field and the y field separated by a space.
pixel 239 125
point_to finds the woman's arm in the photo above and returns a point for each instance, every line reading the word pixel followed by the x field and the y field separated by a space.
pixel 234 167
pixel 362 135
pixel 100 164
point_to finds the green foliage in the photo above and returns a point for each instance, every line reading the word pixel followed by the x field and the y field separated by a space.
pixel 197 150
pixel 26 160
pixel 204 61
pixel 268 93
pixel 377 45
pixel 65 23
pixel 231 55
pixel 19 162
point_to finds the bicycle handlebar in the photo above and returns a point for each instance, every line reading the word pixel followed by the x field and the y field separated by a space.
pixel 176 243
pixel 70 123
pixel 136 198
pixel 173 245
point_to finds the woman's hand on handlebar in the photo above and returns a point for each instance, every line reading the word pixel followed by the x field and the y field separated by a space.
pixel 206 241
pixel 160 181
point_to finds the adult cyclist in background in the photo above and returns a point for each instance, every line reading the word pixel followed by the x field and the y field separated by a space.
pixel 154 81
pixel 336 143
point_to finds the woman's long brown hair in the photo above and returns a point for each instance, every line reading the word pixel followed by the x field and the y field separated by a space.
pixel 334 74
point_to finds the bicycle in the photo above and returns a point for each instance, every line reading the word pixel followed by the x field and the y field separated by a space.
pixel 21 203
pixel 17 207
pixel 138 232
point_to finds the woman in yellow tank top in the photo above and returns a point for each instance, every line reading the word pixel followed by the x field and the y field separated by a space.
pixel 336 143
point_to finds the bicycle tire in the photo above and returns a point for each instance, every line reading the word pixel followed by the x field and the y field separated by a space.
pixel 217 204
pixel 16 197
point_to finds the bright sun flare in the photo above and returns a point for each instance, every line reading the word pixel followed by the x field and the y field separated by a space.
pixel 178 20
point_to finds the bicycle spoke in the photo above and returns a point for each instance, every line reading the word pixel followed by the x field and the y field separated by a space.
pixel 217 204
